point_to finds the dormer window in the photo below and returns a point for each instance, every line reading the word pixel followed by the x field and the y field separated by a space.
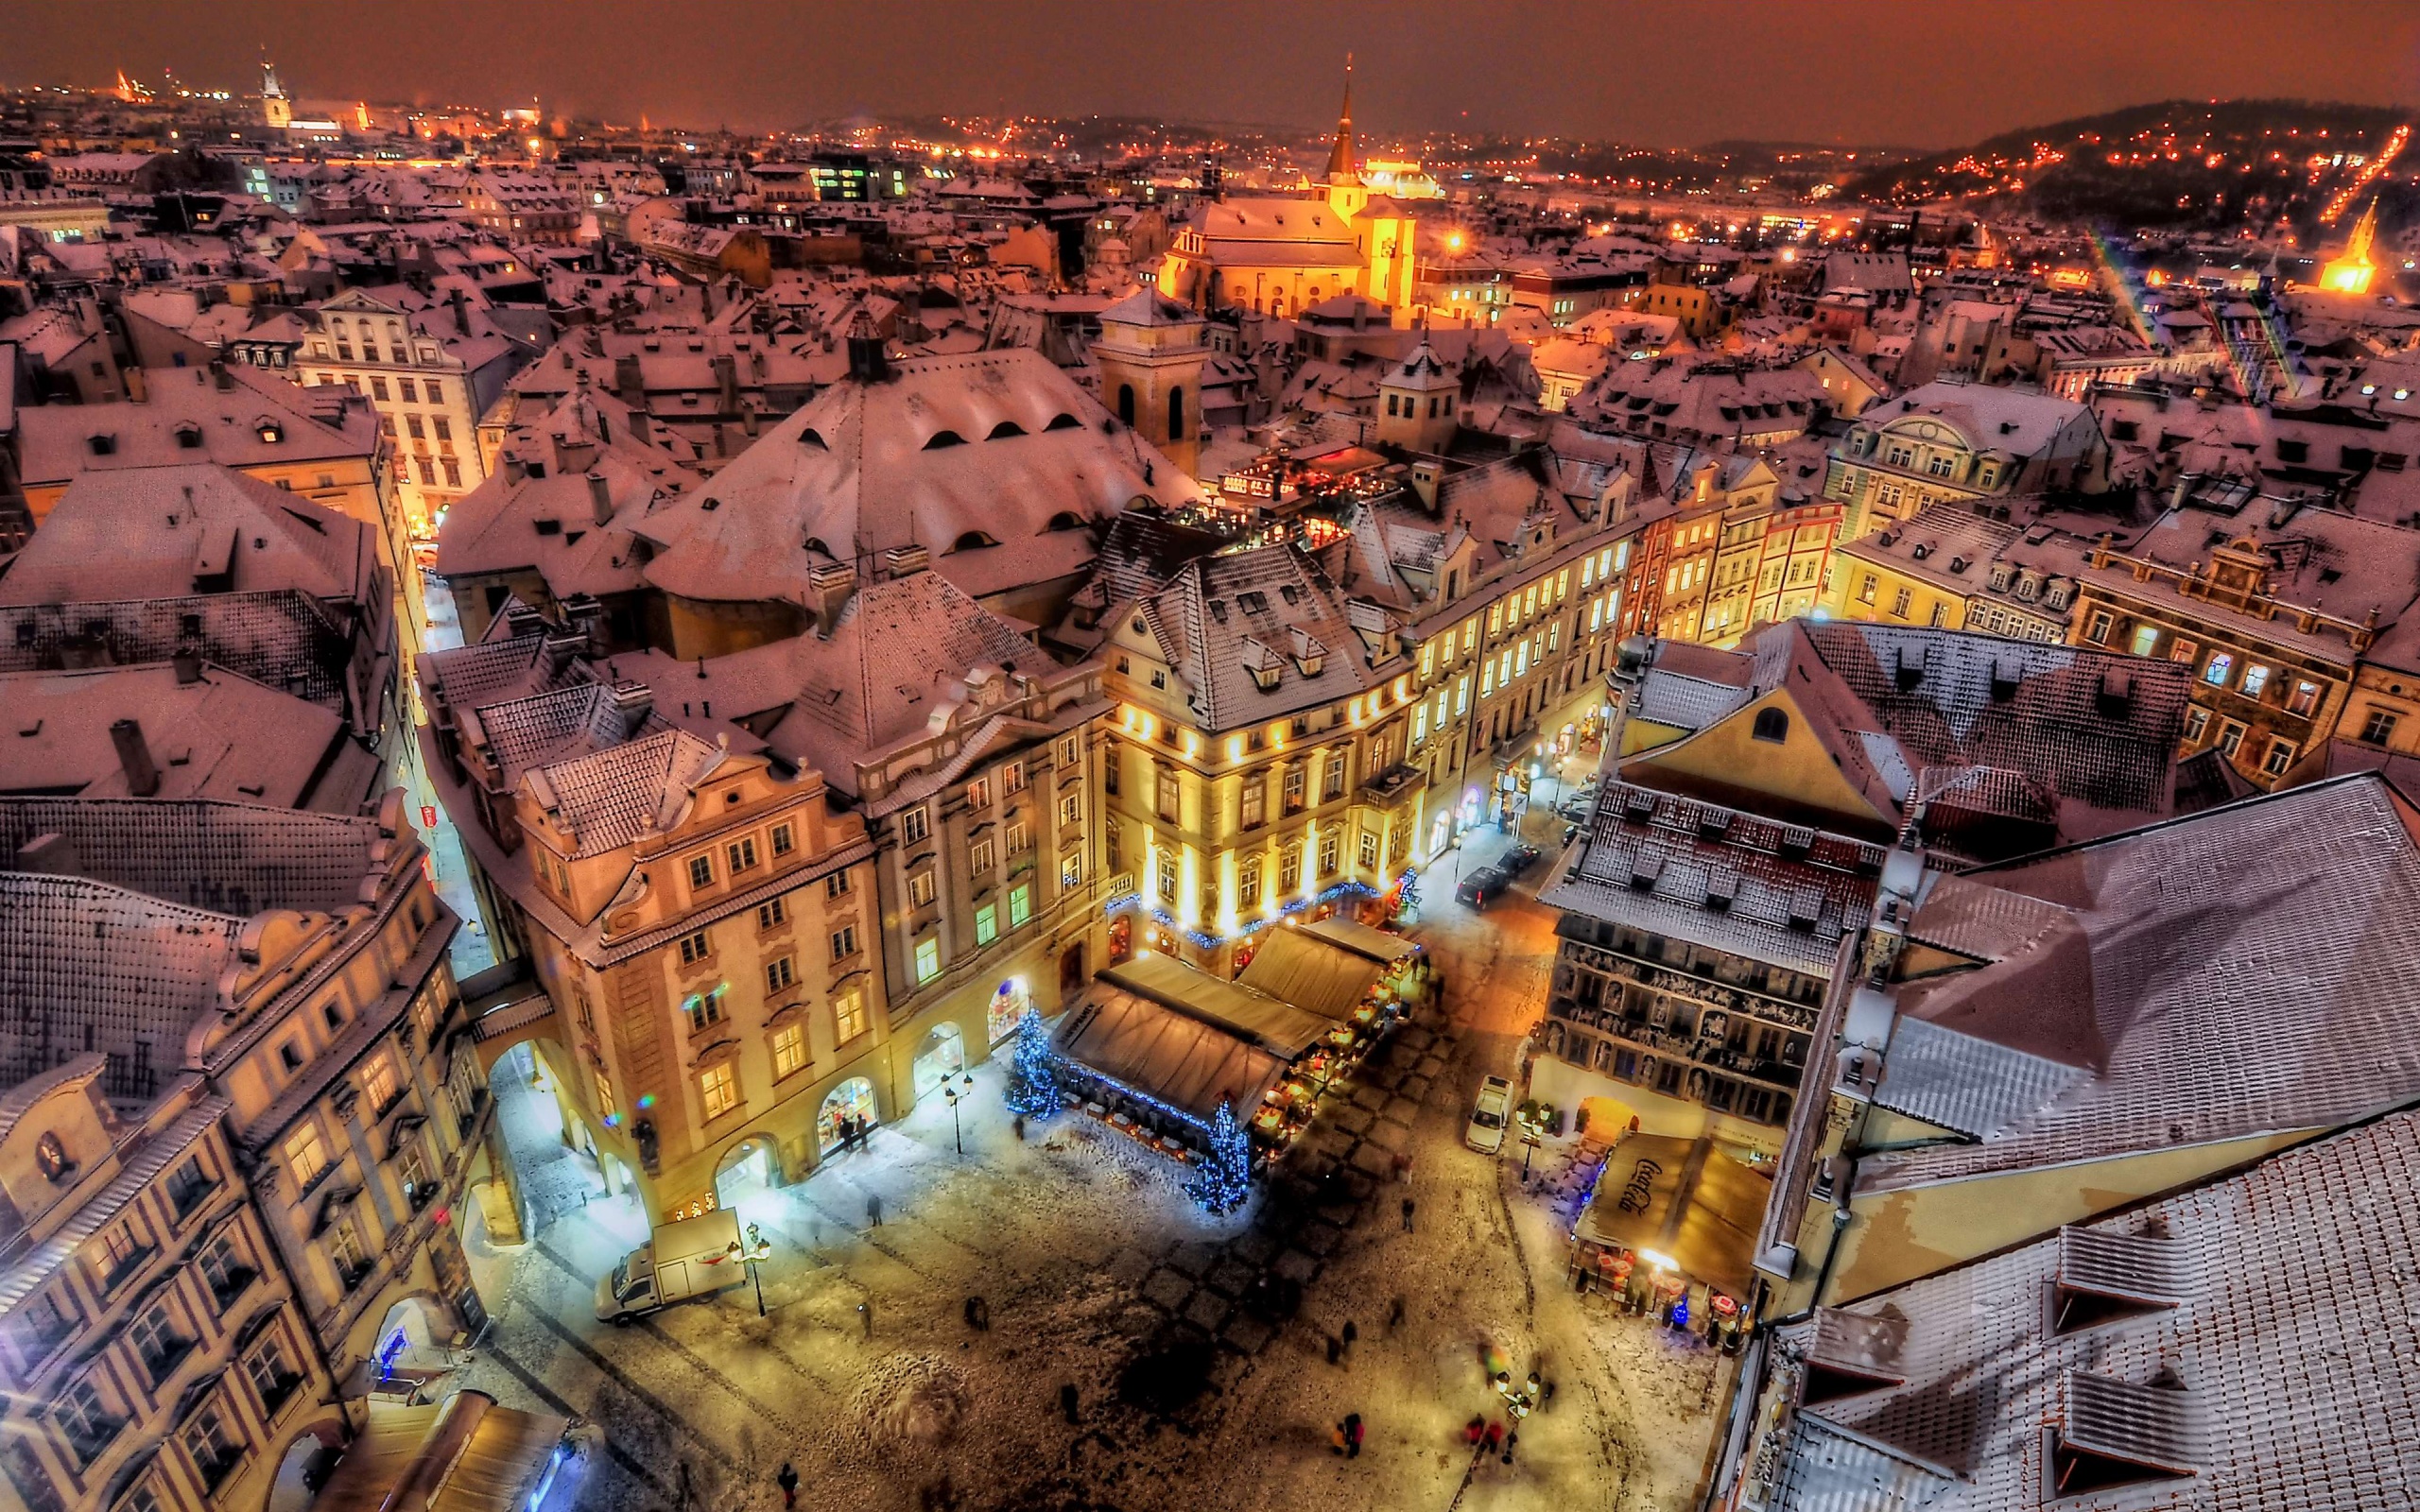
pixel 2115 1434
pixel 189 437
pixel 973 540
pixel 1003 430
pixel 51 1156
pixel 271 432
pixel 102 444
pixel 942 439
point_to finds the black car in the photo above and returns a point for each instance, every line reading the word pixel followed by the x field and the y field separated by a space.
pixel 1518 859
pixel 1482 887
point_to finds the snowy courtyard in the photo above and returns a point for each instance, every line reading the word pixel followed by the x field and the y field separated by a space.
pixel 1199 1349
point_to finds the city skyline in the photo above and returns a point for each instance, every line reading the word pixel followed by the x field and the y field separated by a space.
pixel 1637 74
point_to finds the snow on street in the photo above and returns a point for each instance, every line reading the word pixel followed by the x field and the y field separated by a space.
pixel 1196 1387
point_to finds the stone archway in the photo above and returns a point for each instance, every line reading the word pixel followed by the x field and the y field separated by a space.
pixel 304 1466
pixel 853 1098
pixel 941 1057
pixel 750 1168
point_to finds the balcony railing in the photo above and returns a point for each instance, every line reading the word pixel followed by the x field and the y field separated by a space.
pixel 1671 1043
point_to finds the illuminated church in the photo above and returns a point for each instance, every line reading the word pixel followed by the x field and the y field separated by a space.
pixel 1281 256
pixel 2351 270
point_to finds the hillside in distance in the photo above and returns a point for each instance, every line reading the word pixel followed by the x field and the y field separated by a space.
pixel 2174 163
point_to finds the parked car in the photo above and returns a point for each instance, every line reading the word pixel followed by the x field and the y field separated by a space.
pixel 1578 805
pixel 1482 887
pixel 1517 859
pixel 1489 1113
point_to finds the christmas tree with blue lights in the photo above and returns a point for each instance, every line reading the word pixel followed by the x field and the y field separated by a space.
pixel 1033 1070
pixel 1225 1177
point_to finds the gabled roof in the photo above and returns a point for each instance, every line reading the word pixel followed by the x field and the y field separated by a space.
pixel 164 532
pixel 312 426
pixel 1272 606
pixel 2087 736
pixel 899 655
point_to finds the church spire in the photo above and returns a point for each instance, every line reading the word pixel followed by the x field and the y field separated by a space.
pixel 1339 158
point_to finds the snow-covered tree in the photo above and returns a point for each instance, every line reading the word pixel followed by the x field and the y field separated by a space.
pixel 1225 1177
pixel 1033 1070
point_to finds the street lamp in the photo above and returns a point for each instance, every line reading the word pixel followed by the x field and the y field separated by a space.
pixel 957 1132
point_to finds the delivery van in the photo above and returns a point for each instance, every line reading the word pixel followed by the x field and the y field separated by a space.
pixel 694 1257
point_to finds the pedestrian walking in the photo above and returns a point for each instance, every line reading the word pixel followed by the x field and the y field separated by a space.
pixel 1546 1400
pixel 1394 1315
pixel 1337 1439
pixel 865 1315
pixel 1510 1439
pixel 1352 1336
pixel 1494 1438
pixel 1067 1402
pixel 1018 1122
pixel 1335 1350
pixel 1406 1214
pixel 787 1481
pixel 685 1483
pixel 1476 1429
pixel 874 1210
pixel 978 1315
pixel 1353 1435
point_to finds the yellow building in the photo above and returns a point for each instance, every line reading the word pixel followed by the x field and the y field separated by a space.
pixel 1282 256
pixel 1256 765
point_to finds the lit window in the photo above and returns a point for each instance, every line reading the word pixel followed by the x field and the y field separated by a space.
pixel 2220 666
pixel 848 1014
pixel 987 924
pixel 718 1089
pixel 789 1050
pixel 928 959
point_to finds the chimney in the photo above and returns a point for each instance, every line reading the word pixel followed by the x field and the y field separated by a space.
pixel 138 389
pixel 135 759
pixel 904 561
pixel 220 376
pixel 600 499
pixel 726 369
pixel 867 363
pixel 829 586
pixel 522 618
pixel 514 468
pixel 634 701
pixel 187 662
pixel 628 382
pixel 461 311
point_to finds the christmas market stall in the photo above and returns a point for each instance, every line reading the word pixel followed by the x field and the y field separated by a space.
pixel 1668 1231
pixel 466 1455
pixel 1154 1046
pixel 1344 972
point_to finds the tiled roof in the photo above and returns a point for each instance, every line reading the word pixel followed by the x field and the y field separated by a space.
pixel 901 650
pixel 2274 1371
pixel 947 450
pixel 29 1268
pixel 283 638
pixel 609 798
pixel 94 966
pixel 2237 972
pixel 226 858
pixel 2096 731
pixel 1716 877
pixel 158 532
pixel 1208 619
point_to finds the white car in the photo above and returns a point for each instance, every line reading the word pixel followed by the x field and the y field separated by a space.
pixel 1489 1115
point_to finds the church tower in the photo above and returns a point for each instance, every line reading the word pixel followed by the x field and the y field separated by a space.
pixel 1342 187
pixel 1152 354
pixel 1418 399
pixel 275 108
